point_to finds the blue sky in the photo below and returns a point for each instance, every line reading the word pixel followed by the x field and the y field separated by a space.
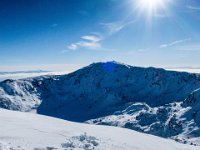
pixel 67 34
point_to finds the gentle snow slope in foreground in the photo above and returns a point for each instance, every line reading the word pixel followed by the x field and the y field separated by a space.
pixel 25 131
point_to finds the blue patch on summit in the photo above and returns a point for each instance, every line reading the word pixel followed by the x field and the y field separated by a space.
pixel 109 66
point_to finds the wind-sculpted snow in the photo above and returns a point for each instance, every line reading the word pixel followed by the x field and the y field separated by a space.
pixel 27 131
pixel 149 100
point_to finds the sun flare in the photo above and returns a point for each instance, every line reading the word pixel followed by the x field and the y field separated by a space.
pixel 150 5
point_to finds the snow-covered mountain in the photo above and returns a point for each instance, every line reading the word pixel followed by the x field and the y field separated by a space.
pixel 18 95
pixel 26 131
pixel 178 120
pixel 149 100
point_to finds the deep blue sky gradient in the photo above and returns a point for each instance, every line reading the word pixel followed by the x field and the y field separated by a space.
pixel 38 32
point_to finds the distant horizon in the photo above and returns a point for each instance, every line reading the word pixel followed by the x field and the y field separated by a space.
pixel 40 72
pixel 73 67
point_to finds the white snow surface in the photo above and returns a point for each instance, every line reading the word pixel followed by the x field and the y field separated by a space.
pixel 26 131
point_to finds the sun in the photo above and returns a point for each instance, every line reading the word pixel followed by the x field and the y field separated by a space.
pixel 150 6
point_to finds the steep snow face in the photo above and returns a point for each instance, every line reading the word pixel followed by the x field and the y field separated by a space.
pixel 34 132
pixel 18 95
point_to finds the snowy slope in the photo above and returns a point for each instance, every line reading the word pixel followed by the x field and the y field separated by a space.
pixel 18 95
pixel 25 131
pixel 178 120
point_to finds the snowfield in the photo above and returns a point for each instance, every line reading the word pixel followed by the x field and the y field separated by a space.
pixel 26 131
